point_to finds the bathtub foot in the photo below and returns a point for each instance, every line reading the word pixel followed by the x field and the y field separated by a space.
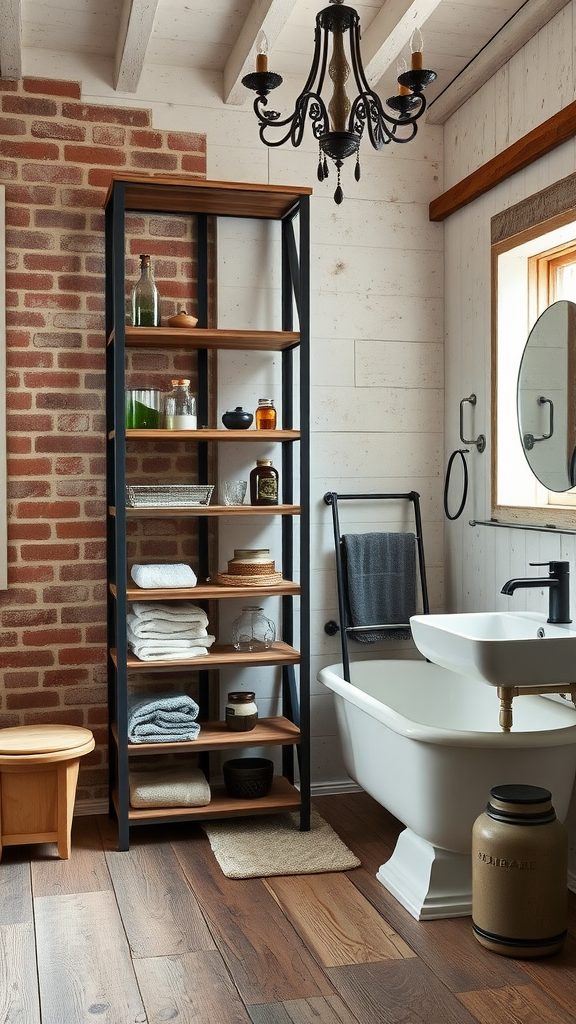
pixel 429 882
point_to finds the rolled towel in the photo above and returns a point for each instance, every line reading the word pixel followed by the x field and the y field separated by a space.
pixel 163 629
pixel 155 576
pixel 162 717
pixel 172 786
pixel 173 611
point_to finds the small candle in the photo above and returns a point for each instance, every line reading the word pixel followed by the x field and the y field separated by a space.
pixel 416 46
pixel 261 52
pixel 401 69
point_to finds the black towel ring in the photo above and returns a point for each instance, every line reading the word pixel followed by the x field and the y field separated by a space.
pixel 461 452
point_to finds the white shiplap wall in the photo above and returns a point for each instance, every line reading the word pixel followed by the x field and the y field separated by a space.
pixel 538 81
pixel 377 320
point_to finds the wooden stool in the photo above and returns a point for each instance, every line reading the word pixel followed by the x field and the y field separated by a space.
pixel 38 775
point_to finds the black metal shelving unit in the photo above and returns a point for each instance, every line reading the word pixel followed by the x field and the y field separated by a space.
pixel 291 730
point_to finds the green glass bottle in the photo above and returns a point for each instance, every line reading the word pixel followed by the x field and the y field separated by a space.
pixel 145 299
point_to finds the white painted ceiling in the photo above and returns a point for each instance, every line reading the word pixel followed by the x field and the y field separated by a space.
pixel 219 35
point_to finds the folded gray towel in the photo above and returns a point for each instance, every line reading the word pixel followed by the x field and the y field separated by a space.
pixel 380 571
pixel 162 718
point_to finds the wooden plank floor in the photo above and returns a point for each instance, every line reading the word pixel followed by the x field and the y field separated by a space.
pixel 159 934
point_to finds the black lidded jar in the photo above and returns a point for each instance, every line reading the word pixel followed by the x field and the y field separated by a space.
pixel 519 873
pixel 264 483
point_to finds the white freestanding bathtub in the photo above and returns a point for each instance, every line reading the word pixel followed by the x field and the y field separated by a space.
pixel 426 744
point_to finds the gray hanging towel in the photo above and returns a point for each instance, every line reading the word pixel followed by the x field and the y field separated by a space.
pixel 380 576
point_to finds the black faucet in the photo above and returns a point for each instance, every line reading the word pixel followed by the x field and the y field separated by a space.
pixel 558 583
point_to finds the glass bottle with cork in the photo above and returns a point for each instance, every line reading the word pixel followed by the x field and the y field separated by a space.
pixel 264 483
pixel 265 417
pixel 180 407
pixel 145 298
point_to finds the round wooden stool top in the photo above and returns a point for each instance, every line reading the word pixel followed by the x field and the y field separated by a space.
pixel 44 742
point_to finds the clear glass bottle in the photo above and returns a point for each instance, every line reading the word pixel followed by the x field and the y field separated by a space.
pixel 252 630
pixel 264 483
pixel 265 414
pixel 145 298
pixel 180 407
pixel 241 711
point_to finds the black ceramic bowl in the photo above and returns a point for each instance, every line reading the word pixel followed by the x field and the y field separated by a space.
pixel 237 419
pixel 247 778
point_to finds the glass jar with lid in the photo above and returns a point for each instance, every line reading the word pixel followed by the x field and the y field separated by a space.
pixel 264 483
pixel 265 414
pixel 180 407
pixel 252 630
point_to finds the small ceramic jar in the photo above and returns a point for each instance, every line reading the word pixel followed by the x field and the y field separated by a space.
pixel 237 419
pixel 241 711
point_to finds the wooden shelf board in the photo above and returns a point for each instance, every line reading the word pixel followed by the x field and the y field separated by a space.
pixel 210 434
pixel 279 654
pixel 210 337
pixel 205 592
pixel 282 797
pixel 193 511
pixel 184 195
pixel 267 732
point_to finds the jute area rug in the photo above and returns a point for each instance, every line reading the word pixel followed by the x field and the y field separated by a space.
pixel 260 847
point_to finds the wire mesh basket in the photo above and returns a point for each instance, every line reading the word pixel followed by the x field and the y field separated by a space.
pixel 168 495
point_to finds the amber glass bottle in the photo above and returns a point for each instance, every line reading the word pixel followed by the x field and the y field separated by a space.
pixel 265 414
pixel 264 483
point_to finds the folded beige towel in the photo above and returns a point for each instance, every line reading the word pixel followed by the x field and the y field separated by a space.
pixel 169 787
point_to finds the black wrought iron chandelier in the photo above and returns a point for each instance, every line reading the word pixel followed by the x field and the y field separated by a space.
pixel 339 127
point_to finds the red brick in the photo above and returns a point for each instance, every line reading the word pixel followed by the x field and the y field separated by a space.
pixel 82 530
pixel 147 140
pixel 27 617
pixel 104 156
pixel 30 150
pixel 48 510
pixel 29 239
pixel 70 444
pixel 24 319
pixel 194 165
pixel 62 174
pixel 30 574
pixel 187 142
pixel 12 126
pixel 52 301
pixel 80 283
pixel 108 135
pixel 81 571
pixel 29 467
pixel 17 216
pixel 38 699
pixel 17 401
pixel 8 170
pixel 81 361
pixel 100 177
pixel 78 197
pixel 27 659
pixel 8 640
pixel 82 656
pixel 29 489
pixel 51 637
pixel 23 358
pixel 70 466
pixel 29 531
pixel 60 219
pixel 50 552
pixel 26 680
pixel 8 86
pixel 52 87
pixel 84 613
pixel 65 595
pixel 54 400
pixel 153 161
pixel 25 105
pixel 40 281
pixel 57 130
pixel 64 677
pixel 19 445
pixel 107 115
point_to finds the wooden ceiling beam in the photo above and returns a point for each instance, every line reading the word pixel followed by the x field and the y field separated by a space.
pixel 268 16
pixel 136 24
pixel 11 39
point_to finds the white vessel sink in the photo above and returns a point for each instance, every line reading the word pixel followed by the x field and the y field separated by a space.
pixel 501 648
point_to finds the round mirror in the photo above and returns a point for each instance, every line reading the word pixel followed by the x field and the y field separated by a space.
pixel 547 397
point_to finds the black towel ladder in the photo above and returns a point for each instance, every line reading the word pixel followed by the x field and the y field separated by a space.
pixel 332 498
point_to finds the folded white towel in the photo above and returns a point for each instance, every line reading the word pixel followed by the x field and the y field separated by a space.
pixel 164 629
pixel 171 642
pixel 154 576
pixel 174 611
pixel 169 787
pixel 155 650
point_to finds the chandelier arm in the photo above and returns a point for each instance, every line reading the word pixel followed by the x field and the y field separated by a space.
pixel 296 121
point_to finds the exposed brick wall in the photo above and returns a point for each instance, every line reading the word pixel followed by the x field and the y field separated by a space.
pixel 56 158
